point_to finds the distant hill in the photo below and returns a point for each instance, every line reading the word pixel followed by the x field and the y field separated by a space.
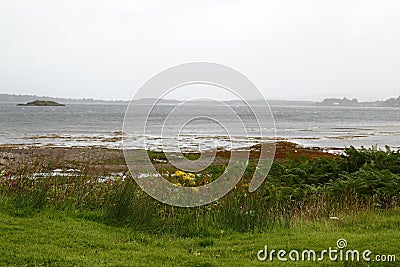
pixel 391 102
pixel 275 102
pixel 339 102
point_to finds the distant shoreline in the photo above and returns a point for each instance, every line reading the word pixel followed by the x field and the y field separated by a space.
pixel 391 102
pixel 345 102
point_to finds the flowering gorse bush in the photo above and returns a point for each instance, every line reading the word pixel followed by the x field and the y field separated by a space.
pixel 184 178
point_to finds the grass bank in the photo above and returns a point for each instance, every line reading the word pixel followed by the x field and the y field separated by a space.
pixel 305 203
pixel 67 239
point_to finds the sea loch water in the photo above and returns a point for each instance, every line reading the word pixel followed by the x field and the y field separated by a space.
pixel 101 124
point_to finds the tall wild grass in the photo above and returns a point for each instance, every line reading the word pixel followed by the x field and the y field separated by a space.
pixel 296 189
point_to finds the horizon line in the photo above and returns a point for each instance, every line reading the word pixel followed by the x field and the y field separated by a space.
pixel 180 100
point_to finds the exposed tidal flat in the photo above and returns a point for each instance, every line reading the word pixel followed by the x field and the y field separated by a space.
pixel 86 210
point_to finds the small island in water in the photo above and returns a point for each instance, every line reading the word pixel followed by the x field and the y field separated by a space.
pixel 42 103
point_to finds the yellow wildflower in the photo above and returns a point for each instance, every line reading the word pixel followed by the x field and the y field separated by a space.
pixel 179 173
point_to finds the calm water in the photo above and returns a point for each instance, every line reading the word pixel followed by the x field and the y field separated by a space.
pixel 81 125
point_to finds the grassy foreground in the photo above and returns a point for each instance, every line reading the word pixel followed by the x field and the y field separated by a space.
pixel 304 204
pixel 62 239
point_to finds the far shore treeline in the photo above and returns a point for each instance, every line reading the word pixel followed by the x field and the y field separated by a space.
pixel 391 102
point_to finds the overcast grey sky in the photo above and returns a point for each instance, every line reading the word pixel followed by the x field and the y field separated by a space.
pixel 289 49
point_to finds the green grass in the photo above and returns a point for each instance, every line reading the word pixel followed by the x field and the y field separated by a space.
pixel 61 221
pixel 52 238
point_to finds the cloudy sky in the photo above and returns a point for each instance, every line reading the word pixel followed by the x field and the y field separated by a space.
pixel 304 50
